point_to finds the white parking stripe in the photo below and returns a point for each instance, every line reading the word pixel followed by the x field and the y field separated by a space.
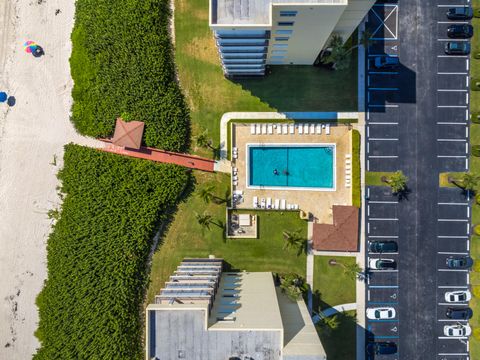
pixel 453 56
pixel 453 287
pixel 451 156
pixel 373 270
pixel 383 219
pixel 450 320
pixel 452 5
pixel 452 106
pixel 383 156
pixel 382 202
pixel 461 140
pixel 383 123
pixel 381 106
pixel 451 123
pixel 452 22
pixel 452 90
pixel 452 237
pixel 453 270
pixel 453 204
pixel 452 304
pixel 454 220
pixel 453 337
pixel 383 236
pixel 453 354
pixel 467 64
pixel 452 73
pixel 451 39
pixel 383 139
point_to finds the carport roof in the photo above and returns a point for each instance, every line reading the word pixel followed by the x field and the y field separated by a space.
pixel 342 235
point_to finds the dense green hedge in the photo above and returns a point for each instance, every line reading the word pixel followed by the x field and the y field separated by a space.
pixel 97 253
pixel 122 65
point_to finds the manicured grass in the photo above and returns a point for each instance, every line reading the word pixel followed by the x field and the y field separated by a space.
pixel 443 179
pixel 331 286
pixel 356 171
pixel 475 168
pixel 374 178
pixel 287 88
pixel 340 343
pixel 185 238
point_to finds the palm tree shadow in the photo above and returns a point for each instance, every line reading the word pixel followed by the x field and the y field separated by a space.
pixel 404 194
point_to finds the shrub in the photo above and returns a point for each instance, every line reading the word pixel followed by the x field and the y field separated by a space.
pixel 476 150
pixel 476 291
pixel 476 229
pixel 122 64
pixel 475 117
pixel 475 84
pixel 476 12
pixel 98 251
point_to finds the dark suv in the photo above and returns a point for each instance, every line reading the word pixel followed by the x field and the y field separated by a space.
pixel 457 48
pixel 386 62
pixel 460 31
pixel 463 262
pixel 383 246
pixel 381 348
pixel 460 13
pixel 459 313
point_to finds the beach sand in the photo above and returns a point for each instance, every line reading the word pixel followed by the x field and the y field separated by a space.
pixel 32 135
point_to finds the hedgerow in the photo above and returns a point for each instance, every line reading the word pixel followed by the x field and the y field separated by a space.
pixel 98 251
pixel 122 65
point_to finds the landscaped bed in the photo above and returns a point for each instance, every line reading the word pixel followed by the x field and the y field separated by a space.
pixel 97 254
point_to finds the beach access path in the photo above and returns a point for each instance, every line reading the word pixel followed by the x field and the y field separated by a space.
pixel 32 135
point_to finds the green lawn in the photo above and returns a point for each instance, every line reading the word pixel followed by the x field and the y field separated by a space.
pixel 475 168
pixel 287 88
pixel 331 286
pixel 374 178
pixel 185 238
pixel 340 343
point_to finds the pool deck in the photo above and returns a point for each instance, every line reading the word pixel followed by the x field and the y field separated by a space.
pixel 318 203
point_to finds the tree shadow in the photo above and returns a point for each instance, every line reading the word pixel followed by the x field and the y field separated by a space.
pixel 403 194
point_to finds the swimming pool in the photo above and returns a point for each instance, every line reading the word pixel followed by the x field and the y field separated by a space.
pixel 291 166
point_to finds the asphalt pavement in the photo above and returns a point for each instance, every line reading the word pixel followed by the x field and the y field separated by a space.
pixel 417 122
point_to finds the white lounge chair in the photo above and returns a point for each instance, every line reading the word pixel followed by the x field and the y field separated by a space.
pixel 255 202
pixel 277 204
pixel 279 129
pixel 283 203
pixel 259 129
pixel 327 129
pixel 348 161
pixel 347 167
pixel 235 183
pixel 264 129
pixel 270 129
pixel 348 156
pixel 300 129
pixel 269 203
pixel 235 155
pixel 289 207
pixel 262 203
pixel 292 128
pixel 252 129
pixel 235 178
pixel 318 129
pixel 284 129
pixel 306 129
pixel 312 128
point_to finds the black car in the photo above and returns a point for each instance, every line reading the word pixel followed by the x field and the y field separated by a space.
pixel 460 13
pixel 462 262
pixel 386 62
pixel 382 246
pixel 459 313
pixel 460 31
pixel 381 348
pixel 457 48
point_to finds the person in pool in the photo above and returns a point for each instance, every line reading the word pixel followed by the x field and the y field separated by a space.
pixel 275 172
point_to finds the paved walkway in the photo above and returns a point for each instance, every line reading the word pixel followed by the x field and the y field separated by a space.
pixel 339 308
pixel 310 264
pixel 148 153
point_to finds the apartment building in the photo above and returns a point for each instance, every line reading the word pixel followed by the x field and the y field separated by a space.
pixel 253 33
pixel 204 313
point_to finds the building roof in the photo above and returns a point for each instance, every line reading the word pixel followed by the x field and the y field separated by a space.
pixel 342 235
pixel 128 134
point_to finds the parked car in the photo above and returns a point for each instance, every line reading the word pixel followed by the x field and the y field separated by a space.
pixel 459 262
pixel 459 313
pixel 457 330
pixel 457 48
pixel 458 296
pixel 381 348
pixel 382 246
pixel 382 264
pixel 460 31
pixel 460 13
pixel 386 62
pixel 378 313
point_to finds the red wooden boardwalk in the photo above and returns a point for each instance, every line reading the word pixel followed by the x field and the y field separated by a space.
pixel 148 153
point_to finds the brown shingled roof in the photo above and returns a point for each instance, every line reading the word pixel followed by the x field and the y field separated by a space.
pixel 128 134
pixel 342 235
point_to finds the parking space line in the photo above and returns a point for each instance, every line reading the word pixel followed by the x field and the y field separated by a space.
pixel 461 140
pixel 454 220
pixel 452 106
pixel 450 320
pixel 384 105
pixel 454 203
pixel 466 132
pixel 452 90
pixel 466 81
pixel 453 287
pixel 466 98
pixel 383 219
pixel 453 304
pixel 383 286
pixel 452 354
pixel 386 337
pixel 383 236
pixel 383 271
pixel 467 63
pixel 453 337
pixel 452 237
pixel 452 22
pixel 451 123
pixel 383 139
pixel 453 270
pixel 383 156
pixel 383 73
pixel 382 123
pixel 451 39
pixel 453 56
pixel 451 156
pixel 382 89
pixel 451 253
pixel 452 73
pixel 382 202
pixel 452 5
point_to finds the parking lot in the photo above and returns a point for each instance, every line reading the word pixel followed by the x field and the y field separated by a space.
pixel 417 118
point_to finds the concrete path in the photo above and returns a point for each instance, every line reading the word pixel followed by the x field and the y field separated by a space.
pixel 339 308
pixel 310 263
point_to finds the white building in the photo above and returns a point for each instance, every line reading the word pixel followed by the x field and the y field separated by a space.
pixel 253 33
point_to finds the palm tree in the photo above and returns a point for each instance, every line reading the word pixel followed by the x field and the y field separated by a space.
pixel 350 270
pixel 331 322
pixel 293 285
pixel 397 182
pixel 467 181
pixel 204 220
pixel 293 240
pixel 204 141
pixel 340 54
pixel 207 195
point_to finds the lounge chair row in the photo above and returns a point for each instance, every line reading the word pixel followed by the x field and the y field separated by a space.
pixel 277 204
pixel 264 129
pixel 348 170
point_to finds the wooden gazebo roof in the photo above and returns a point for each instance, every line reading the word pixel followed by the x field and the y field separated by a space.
pixel 128 134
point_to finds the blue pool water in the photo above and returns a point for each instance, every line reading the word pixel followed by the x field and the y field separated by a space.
pixel 297 166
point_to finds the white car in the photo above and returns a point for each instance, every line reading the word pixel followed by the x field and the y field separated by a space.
pixel 381 313
pixel 458 296
pixel 457 330
pixel 382 264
